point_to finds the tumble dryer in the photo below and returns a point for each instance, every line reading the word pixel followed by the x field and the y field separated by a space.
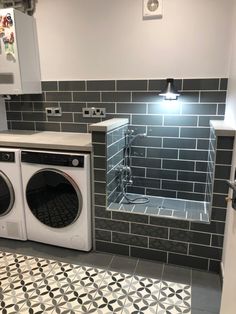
pixel 57 197
pixel 12 217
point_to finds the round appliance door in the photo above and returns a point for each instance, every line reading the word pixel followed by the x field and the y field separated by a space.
pixel 54 198
pixel 7 195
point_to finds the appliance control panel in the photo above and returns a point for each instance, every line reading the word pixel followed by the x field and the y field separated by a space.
pixel 53 159
pixel 7 156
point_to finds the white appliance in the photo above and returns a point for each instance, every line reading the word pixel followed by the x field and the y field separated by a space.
pixel 12 217
pixel 57 197
pixel 19 55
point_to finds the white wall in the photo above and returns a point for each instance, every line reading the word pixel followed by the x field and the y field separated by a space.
pixel 107 39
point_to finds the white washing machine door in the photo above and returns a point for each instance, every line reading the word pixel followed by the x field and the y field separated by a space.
pixel 53 198
pixel 7 195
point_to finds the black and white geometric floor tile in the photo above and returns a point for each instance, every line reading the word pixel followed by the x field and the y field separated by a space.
pixel 35 285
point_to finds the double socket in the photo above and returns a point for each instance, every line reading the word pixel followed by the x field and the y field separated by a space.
pixel 94 112
pixel 53 111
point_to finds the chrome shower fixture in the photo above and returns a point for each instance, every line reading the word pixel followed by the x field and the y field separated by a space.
pixel 170 92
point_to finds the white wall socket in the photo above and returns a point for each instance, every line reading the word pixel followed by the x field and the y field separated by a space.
pixel 94 112
pixel 53 111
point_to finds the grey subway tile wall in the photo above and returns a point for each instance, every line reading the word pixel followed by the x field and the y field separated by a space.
pixel 161 162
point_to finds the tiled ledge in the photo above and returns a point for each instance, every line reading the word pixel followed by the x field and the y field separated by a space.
pixel 108 125
pixel 222 128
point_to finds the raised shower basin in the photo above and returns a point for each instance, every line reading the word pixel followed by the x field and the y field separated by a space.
pixel 166 207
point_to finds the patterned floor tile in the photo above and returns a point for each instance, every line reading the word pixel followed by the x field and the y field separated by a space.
pixel 175 294
pixel 116 282
pixel 164 308
pixel 10 303
pixel 146 287
pixel 140 306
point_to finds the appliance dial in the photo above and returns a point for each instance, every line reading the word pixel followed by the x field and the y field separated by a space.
pixel 75 162
pixel 6 156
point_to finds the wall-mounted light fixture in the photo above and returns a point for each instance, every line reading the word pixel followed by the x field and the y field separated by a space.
pixel 170 92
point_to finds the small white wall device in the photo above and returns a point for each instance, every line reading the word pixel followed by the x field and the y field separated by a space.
pixel 152 9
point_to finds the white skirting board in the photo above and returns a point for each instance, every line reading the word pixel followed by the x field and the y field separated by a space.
pixel 3 115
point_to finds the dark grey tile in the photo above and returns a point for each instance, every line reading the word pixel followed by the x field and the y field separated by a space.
pixel 116 96
pixel 205 120
pixel 41 106
pixel 99 162
pixel 78 117
pixel 161 193
pixel 169 246
pixel 71 85
pixel 145 182
pixel 178 165
pixel 147 142
pixel 47 126
pixel 140 172
pixel 130 217
pixel 203 144
pixel 195 132
pixel 32 97
pixel 225 142
pixel 149 254
pixel 189 261
pixel 215 266
pixel 101 211
pixel 201 84
pixel 163 131
pixel 163 109
pixel 179 143
pixel 21 106
pixel 65 117
pixel 190 236
pixel 218 214
pixel 20 125
pixel 221 109
pixel 192 176
pixel 219 200
pixel 147 230
pixel 146 97
pixel 191 196
pixel 112 248
pixel 223 157
pixel 99 149
pixel 12 115
pixel 129 239
pixel 86 96
pixel 58 96
pixel 177 274
pixel 203 109
pixel 199 311
pixel 123 264
pixel 132 85
pixel 100 200
pixel 222 172
pixel 201 166
pixel 214 227
pixel 206 291
pixel 100 85
pixel 98 137
pixel 146 162
pixel 146 119
pixel 177 185
pixel 161 84
pixel 180 120
pixel 131 108
pixel 99 175
pixel 106 224
pixel 138 152
pixel 161 174
pixel 217 240
pixel 149 269
pixel 193 154
pixel 49 85
pixel 223 83
pixel 213 97
pixel 103 235
pixel 34 116
pixel 220 186
pixel 72 107
pixel 189 97
pixel 74 127
pixel 181 224
pixel 100 187
pixel 162 153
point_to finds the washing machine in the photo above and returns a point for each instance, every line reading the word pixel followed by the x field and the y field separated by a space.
pixel 12 216
pixel 57 196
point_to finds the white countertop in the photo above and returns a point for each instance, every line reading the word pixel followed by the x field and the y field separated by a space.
pixel 47 140
pixel 222 128
pixel 108 125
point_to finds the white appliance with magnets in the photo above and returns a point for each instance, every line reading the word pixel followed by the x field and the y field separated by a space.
pixel 57 197
pixel 19 55
pixel 12 217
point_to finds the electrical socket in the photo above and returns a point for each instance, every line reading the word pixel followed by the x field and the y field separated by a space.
pixel 53 111
pixel 94 112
